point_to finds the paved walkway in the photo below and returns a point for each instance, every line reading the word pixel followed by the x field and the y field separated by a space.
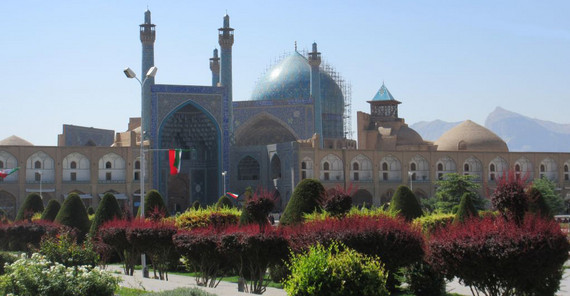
pixel 230 289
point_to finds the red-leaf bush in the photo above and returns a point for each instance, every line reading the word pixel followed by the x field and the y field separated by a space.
pixel 392 239
pixel 338 201
pixel 497 257
pixel 509 198
pixel 259 206
pixel 154 239
pixel 199 247
pixel 114 234
pixel 253 250
pixel 26 236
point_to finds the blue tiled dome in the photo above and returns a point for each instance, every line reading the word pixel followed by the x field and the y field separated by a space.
pixel 290 79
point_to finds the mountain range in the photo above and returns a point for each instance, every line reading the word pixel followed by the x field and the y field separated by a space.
pixel 521 133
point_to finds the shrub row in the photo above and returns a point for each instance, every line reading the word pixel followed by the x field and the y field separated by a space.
pixel 26 236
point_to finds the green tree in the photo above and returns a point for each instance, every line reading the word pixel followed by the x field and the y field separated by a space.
pixel 466 208
pixel 107 210
pixel 74 214
pixel 153 204
pixel 51 210
pixel 32 204
pixel 305 199
pixel 537 204
pixel 224 201
pixel 553 199
pixel 452 188
pixel 405 203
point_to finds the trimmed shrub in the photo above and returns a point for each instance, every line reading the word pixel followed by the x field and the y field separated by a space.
pixel 153 203
pixel 391 239
pixel 330 271
pixel 51 210
pixel 209 216
pixel 423 280
pixel 537 204
pixel 38 276
pixel 258 208
pixel 64 250
pixel 466 209
pixel 73 214
pixel 90 211
pixel 253 251
pixel 509 198
pixel 108 210
pixel 196 205
pixel 32 204
pixel 154 239
pixel 406 204
pixel 337 202
pixel 26 236
pixel 224 201
pixel 431 223
pixel 114 234
pixel 499 257
pixel 305 199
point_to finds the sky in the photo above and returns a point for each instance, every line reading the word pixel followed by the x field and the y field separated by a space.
pixel 62 61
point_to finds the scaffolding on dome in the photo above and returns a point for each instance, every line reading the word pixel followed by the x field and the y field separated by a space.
pixel 346 89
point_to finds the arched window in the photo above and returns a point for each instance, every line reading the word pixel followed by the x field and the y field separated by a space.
pixel 326 166
pixel 566 175
pixel 1 164
pixel 466 167
pixel 566 168
pixel 549 169
pixel 73 165
pixel 108 165
pixel 303 165
pixel 37 164
pixel 420 168
pixel 440 167
pixel 542 168
pixel 412 166
pixel 384 166
pixel 391 169
pixel 472 167
pixel 306 168
pixel 333 168
pixel 137 165
pixel 492 167
pixel 355 166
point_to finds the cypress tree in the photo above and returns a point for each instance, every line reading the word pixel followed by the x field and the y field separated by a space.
pixel 51 210
pixel 74 214
pixel 224 201
pixel 90 210
pixel 406 204
pixel 537 204
pixel 153 200
pixel 305 199
pixel 466 209
pixel 32 204
pixel 108 210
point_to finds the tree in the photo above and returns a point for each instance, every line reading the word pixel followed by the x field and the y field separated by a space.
pixel 452 188
pixel 405 204
pixel 510 199
pixel 33 204
pixel 537 204
pixel 466 209
pixel 74 214
pixel 224 201
pixel 108 210
pixel 153 204
pixel 338 201
pixel 305 199
pixel 51 210
pixel 551 197
pixel 259 206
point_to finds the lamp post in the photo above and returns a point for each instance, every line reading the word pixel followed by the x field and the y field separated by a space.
pixel 224 181
pixel 411 176
pixel 41 175
pixel 150 74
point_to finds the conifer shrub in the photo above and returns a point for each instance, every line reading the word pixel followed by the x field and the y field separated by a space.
pixel 392 239
pixel 73 214
pixel 433 222
pixel 406 204
pixel 305 199
pixel 196 205
pixel 537 204
pixel 334 271
pixel 424 280
pixel 500 257
pixel 51 210
pixel 224 201
pixel 107 210
pixel 152 201
pixel 466 209
pixel 509 198
pixel 154 238
pixel 32 204
pixel 114 234
pixel 90 211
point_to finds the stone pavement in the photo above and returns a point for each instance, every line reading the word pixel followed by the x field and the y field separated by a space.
pixel 230 289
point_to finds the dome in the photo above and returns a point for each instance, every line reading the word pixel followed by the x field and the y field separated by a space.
pixel 408 136
pixel 291 78
pixel 15 141
pixel 469 136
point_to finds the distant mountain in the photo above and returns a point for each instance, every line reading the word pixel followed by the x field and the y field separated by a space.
pixel 521 133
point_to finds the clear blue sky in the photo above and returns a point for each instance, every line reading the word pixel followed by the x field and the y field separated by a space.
pixel 62 61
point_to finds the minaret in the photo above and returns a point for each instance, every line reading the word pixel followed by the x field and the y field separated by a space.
pixel 226 40
pixel 215 67
pixel 148 35
pixel 315 91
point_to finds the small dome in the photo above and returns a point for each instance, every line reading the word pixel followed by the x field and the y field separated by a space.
pixel 469 136
pixel 408 136
pixel 15 141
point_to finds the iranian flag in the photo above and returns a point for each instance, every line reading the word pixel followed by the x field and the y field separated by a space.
pixel 174 155
pixel 232 195
pixel 6 172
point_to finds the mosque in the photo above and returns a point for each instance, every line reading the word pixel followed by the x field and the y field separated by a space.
pixel 293 127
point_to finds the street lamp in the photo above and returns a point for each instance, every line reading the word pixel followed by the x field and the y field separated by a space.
pixel 150 74
pixel 411 176
pixel 224 180
pixel 40 173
